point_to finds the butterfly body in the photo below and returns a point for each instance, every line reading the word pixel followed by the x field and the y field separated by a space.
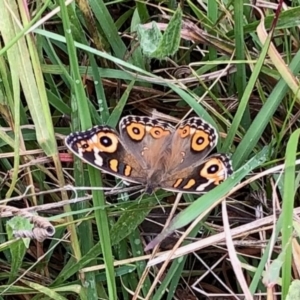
pixel 155 154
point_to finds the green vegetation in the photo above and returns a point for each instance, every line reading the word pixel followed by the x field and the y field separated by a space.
pixel 67 68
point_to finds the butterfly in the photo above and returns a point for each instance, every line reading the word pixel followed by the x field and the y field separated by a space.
pixel 155 153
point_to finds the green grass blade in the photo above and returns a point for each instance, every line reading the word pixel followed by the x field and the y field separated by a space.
pixel 244 101
pixel 107 25
pixel 240 76
pixel 260 122
pixel 207 200
pixel 98 197
pixel 287 208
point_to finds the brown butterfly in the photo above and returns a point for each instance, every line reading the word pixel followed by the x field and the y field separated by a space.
pixel 155 154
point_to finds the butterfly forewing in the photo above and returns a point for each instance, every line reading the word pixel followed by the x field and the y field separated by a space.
pixel 101 147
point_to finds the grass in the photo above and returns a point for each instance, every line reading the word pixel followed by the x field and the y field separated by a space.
pixel 67 68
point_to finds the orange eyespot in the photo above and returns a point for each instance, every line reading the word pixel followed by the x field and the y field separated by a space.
pixel 105 141
pixel 158 132
pixel 200 141
pixel 136 131
pixel 184 131
pixel 85 146
pixel 212 170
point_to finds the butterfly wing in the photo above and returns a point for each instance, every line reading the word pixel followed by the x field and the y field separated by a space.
pixel 102 148
pixel 146 139
pixel 189 168
pixel 192 141
pixel 200 179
